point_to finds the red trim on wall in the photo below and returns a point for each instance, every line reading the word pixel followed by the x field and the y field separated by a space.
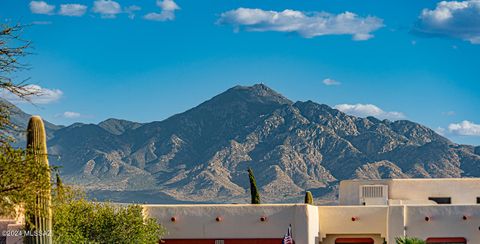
pixel 432 240
pixel 354 241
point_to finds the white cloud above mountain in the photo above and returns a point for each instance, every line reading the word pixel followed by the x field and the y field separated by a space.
pixel 41 7
pixel 44 95
pixel 454 19
pixel 307 25
pixel 167 12
pixel 365 110
pixel 464 128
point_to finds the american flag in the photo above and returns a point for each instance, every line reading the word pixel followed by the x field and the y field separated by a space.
pixel 287 239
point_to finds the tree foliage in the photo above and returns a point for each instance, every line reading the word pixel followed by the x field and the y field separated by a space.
pixel 19 175
pixel 308 197
pixel 12 49
pixel 77 220
pixel 20 179
pixel 253 187
pixel 409 240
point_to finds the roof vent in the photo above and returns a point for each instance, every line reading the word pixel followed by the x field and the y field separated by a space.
pixel 373 194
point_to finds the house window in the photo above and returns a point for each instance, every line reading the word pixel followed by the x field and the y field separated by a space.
pixel 478 200
pixel 441 200
pixel 446 240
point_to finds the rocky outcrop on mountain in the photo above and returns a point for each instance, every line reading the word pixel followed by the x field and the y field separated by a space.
pixel 202 154
pixel 379 170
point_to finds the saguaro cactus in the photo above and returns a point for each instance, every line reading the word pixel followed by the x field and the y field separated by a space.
pixel 308 197
pixel 253 187
pixel 38 215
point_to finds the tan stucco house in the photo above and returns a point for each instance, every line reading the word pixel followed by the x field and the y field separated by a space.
pixel 441 211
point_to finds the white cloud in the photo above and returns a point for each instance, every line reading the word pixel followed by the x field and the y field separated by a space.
pixel 365 110
pixel 168 8
pixel 41 22
pixel 130 10
pixel 331 82
pixel 41 7
pixel 455 19
pixel 72 9
pixel 305 24
pixel 464 128
pixel 440 131
pixel 107 8
pixel 44 95
pixel 71 115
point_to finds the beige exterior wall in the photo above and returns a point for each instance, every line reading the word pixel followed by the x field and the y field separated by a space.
pixel 445 221
pixel 313 224
pixel 318 224
pixel 395 223
pixel 323 224
pixel 338 220
pixel 416 191
pixel 238 221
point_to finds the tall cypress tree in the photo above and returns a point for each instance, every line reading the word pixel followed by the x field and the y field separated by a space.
pixel 253 187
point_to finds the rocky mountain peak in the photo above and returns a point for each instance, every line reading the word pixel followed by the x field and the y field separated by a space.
pixel 202 154
pixel 256 94
pixel 118 126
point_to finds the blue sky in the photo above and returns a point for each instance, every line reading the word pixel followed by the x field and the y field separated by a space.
pixel 147 60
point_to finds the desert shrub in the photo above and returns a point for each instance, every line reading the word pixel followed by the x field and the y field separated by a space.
pixel 78 220
pixel 409 240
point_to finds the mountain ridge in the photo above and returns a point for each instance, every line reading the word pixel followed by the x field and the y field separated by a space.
pixel 202 154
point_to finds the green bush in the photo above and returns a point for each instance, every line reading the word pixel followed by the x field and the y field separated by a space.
pixel 308 197
pixel 409 240
pixel 78 220
pixel 20 179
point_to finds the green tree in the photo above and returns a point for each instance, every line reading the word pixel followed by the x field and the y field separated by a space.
pixel 77 220
pixel 20 179
pixel 308 197
pixel 253 187
pixel 12 48
pixel 409 240
pixel 19 175
pixel 59 191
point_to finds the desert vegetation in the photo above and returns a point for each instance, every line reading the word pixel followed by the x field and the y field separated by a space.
pixel 409 240
pixel 52 213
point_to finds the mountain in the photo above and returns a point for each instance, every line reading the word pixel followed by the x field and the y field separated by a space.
pixel 118 126
pixel 20 120
pixel 201 155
